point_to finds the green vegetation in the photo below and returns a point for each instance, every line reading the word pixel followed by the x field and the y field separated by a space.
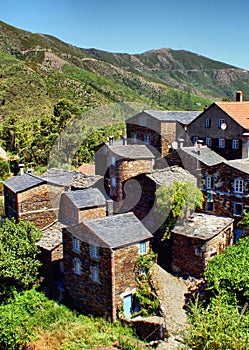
pixel 27 316
pixel 221 319
pixel 145 295
pixel 18 263
pixel 176 202
pixel 30 317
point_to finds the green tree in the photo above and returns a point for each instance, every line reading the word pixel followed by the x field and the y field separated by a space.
pixel 18 252
pixel 176 202
pixel 221 320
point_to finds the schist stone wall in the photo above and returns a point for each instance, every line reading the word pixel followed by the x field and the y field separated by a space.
pixel 37 206
pixel 116 277
pixel 71 215
pixel 191 255
pixel 85 294
pixel 51 260
pixel 223 192
pixel 123 171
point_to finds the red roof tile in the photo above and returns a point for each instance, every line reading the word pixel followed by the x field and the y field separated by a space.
pixel 239 111
pixel 87 168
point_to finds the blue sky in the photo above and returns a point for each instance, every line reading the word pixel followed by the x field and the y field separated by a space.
pixel 213 28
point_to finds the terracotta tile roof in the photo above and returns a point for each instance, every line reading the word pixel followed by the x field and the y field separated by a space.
pixel 239 111
pixel 87 168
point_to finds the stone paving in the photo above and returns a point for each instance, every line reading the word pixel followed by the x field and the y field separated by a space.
pixel 171 292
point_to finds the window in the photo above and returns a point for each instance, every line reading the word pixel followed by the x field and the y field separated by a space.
pixel 74 212
pixel 209 206
pixel 94 274
pixel 209 181
pixel 94 251
pixel 113 181
pixel 209 141
pixel 238 209
pixel 195 139
pixel 238 185
pixel 220 122
pixel 143 121
pixel 113 161
pixel 142 248
pixel 133 137
pixel 76 244
pixel 221 143
pixel 77 266
pixel 207 123
pixel 235 144
pixel 147 138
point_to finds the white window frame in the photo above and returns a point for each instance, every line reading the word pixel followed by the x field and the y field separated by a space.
pixel 238 185
pixel 134 137
pixel 235 212
pixel 207 122
pixel 222 143
pixel 77 266
pixel 94 251
pixel 209 141
pixel 235 144
pixel 195 139
pixel 113 181
pixel 142 248
pixel 220 122
pixel 209 182
pixel 147 138
pixel 76 244
pixel 94 273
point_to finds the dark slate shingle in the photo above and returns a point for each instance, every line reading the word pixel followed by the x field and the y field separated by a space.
pixel 132 151
pixel 183 117
pixel 90 197
pixel 22 183
pixel 113 231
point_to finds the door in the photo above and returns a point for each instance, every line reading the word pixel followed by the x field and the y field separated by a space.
pixel 237 233
pixel 128 305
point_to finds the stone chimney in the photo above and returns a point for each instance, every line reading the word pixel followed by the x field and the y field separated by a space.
pixel 239 96
pixel 199 147
pixel 111 139
pixel 109 207
pixel 124 140
pixel 21 167
pixel 180 143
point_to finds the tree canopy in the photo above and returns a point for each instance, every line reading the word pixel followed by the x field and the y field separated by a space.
pixel 221 320
pixel 176 201
pixel 18 252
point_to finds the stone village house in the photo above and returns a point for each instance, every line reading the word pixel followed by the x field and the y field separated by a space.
pixel 196 240
pixel 99 261
pixel 224 127
pixel 116 237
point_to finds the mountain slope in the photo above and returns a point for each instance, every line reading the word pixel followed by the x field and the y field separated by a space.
pixel 37 70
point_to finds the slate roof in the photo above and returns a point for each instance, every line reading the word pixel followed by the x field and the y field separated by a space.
pixel 206 156
pixel 23 182
pixel 114 231
pixel 51 237
pixel 240 164
pixel 203 226
pixel 66 178
pixel 239 111
pixel 132 152
pixel 183 117
pixel 171 174
pixel 90 197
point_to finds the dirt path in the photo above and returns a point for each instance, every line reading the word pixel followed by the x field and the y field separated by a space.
pixel 171 293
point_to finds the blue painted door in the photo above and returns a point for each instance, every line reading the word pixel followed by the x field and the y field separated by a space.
pixel 128 305
pixel 237 233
